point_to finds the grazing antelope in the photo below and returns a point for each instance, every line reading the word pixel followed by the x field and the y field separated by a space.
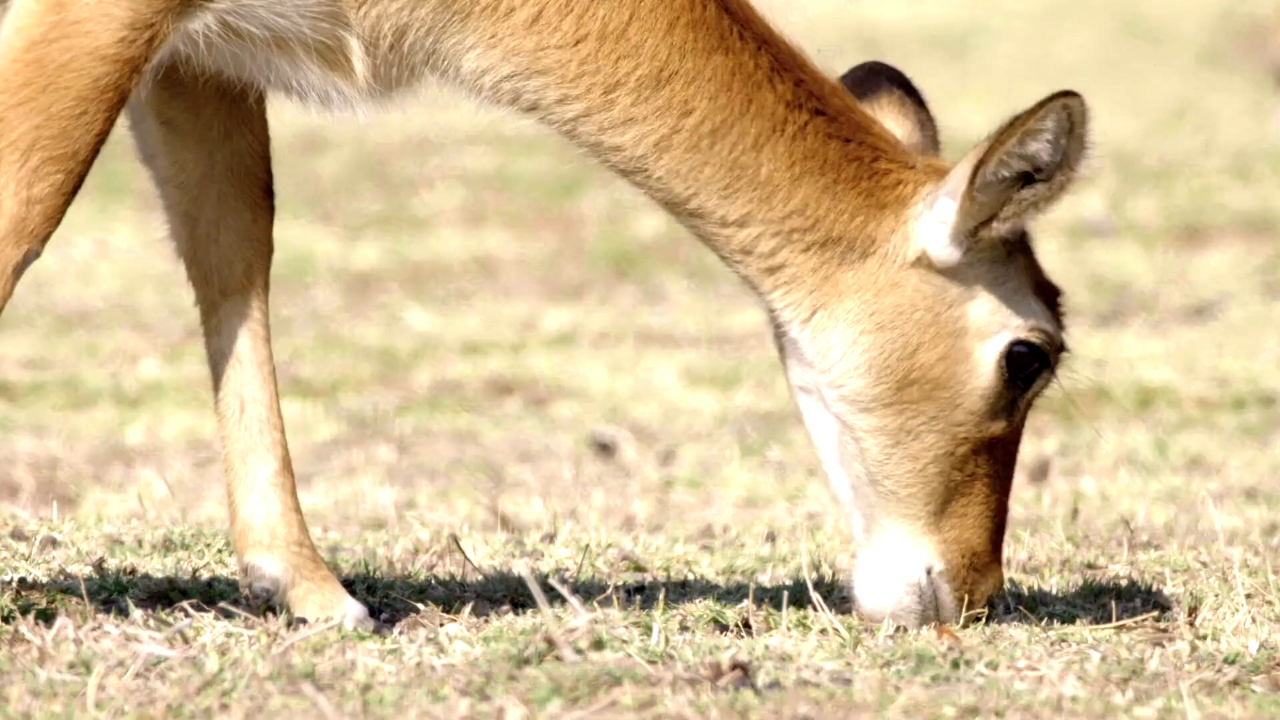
pixel 913 320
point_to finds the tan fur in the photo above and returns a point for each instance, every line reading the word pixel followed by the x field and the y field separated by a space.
pixel 1271 59
pixel 1272 51
pixel 894 281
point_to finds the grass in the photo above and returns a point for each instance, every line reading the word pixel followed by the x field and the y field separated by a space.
pixel 495 355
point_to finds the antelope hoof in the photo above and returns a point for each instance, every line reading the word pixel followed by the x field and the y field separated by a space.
pixel 314 599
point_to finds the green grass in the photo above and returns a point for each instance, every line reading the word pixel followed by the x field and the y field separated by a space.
pixel 494 354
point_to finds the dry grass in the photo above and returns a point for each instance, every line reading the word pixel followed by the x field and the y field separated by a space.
pixel 494 354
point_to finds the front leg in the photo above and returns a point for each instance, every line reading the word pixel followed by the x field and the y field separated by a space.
pixel 206 144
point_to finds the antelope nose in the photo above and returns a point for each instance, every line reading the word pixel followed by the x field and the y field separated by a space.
pixel 890 586
pixel 913 604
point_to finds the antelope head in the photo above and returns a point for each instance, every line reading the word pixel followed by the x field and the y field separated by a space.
pixel 915 373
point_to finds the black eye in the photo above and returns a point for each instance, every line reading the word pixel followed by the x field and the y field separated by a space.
pixel 1024 363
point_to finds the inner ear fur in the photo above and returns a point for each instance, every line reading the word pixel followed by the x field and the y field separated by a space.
pixel 891 98
pixel 1023 167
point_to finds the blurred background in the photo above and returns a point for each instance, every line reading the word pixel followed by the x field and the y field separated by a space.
pixel 477 329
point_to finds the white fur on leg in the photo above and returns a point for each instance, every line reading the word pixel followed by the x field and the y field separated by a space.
pixel 269 581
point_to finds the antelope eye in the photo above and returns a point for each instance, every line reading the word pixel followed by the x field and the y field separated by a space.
pixel 1024 363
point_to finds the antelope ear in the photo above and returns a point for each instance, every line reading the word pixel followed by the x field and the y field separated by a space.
pixel 1019 170
pixel 891 98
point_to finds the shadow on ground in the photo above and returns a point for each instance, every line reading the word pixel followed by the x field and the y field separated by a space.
pixel 393 599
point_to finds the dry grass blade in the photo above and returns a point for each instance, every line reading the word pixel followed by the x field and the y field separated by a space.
pixel 821 604
pixel 457 545
pixel 309 632
pixel 91 688
pixel 567 653
pixel 574 601
pixel 1108 626
pixel 595 708
pixel 157 650
pixel 320 702
pixel 237 611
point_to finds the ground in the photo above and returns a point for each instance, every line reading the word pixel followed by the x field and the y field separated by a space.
pixel 498 359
